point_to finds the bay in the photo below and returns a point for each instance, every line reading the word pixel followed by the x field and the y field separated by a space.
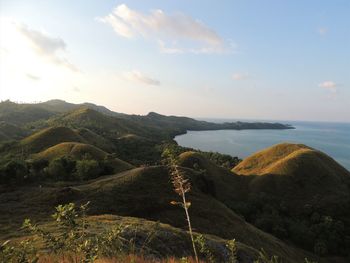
pixel 330 138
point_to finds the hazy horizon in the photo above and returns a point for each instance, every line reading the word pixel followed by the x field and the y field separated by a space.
pixel 248 60
pixel 205 118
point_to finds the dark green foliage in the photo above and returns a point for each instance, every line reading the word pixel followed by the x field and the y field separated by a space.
pixel 23 252
pixel 203 249
pixel 223 160
pixel 13 172
pixel 265 258
pixel 72 238
pixel 61 169
pixel 87 169
pixel 312 231
pixel 37 169
pixel 138 150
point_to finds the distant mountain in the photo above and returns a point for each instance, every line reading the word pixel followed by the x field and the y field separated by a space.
pixel 24 113
pixel 21 114
pixel 63 106
pixel 10 131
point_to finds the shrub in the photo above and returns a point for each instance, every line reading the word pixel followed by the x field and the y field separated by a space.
pixel 24 252
pixel 320 248
pixel 56 170
pixel 204 250
pixel 265 258
pixel 14 172
pixel 232 249
pixel 87 169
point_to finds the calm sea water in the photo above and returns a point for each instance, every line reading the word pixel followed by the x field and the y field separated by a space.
pixel 331 138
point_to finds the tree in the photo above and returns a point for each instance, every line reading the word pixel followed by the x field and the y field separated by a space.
pixel 87 169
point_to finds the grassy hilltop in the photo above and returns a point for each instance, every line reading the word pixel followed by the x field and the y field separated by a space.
pixel 290 200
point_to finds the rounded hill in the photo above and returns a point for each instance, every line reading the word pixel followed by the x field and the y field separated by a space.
pixel 80 151
pixel 290 159
pixel 298 176
pixel 49 137
pixel 72 149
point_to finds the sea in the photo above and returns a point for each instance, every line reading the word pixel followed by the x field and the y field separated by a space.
pixel 329 137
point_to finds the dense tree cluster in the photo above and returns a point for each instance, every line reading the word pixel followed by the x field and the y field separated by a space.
pixel 311 229
pixel 59 169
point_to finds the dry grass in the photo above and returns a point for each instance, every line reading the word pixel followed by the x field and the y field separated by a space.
pixel 73 149
pixel 49 137
pixel 146 193
pixel 121 259
pixel 263 161
pixel 285 158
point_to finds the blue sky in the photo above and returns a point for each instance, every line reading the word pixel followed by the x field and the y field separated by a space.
pixel 284 60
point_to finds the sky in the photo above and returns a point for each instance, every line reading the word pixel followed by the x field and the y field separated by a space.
pixel 248 59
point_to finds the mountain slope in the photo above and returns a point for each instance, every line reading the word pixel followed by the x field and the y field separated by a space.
pixel 24 113
pixel 71 149
pixel 297 173
pixel 298 193
pixel 286 158
pixel 20 114
pixel 79 151
pixel 9 131
pixel 49 137
pixel 147 193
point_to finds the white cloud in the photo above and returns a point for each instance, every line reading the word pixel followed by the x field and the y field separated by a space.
pixel 176 33
pixel 46 46
pixel 76 89
pixel 137 76
pixel 240 76
pixel 329 85
pixel 322 31
pixel 32 77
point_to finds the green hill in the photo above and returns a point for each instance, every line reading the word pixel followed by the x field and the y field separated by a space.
pixel 96 140
pixel 312 216
pixel 286 158
pixel 297 192
pixel 79 151
pixel 20 114
pixel 71 149
pixel 10 131
pixel 24 113
pixel 85 117
pixel 296 174
pixel 147 193
pixel 220 182
pixel 49 137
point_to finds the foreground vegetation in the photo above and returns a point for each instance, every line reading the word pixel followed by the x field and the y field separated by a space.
pixel 72 239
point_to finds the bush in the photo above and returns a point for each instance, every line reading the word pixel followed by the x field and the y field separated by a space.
pixel 14 172
pixel 320 248
pixel 61 168
pixel 36 168
pixel 87 169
